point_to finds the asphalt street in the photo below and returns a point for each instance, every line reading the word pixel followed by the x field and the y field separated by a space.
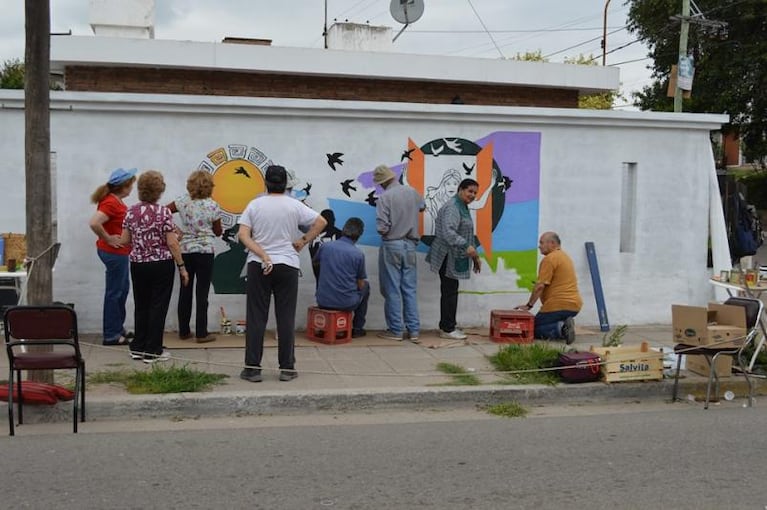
pixel 621 456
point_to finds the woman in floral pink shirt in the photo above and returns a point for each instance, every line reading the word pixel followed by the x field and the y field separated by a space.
pixel 148 228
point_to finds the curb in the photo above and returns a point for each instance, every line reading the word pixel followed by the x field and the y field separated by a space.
pixel 254 403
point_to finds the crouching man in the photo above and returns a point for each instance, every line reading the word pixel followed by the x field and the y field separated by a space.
pixel 343 281
pixel 557 288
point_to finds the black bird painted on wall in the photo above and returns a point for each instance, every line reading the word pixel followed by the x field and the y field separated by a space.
pixel 468 169
pixel 406 154
pixel 372 199
pixel 507 183
pixel 335 159
pixel 346 186
pixel 241 170
pixel 307 189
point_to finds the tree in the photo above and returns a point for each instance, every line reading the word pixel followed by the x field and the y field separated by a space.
pixel 603 101
pixel 730 65
pixel 12 74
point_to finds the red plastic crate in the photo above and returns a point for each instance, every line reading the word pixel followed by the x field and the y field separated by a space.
pixel 328 326
pixel 511 326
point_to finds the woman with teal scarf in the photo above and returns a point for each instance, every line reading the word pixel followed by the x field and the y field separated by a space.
pixel 452 253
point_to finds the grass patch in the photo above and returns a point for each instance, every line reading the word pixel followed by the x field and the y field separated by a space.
pixel 460 375
pixel 172 379
pixel 516 357
pixel 508 410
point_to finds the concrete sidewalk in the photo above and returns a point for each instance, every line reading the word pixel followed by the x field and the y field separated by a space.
pixel 367 373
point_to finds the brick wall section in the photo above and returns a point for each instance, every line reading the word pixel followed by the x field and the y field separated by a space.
pixel 220 83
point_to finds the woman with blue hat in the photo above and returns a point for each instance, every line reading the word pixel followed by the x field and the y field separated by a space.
pixel 107 223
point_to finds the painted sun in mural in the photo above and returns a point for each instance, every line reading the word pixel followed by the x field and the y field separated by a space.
pixel 236 183
pixel 237 178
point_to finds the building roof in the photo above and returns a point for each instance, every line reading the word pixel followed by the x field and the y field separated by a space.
pixel 155 53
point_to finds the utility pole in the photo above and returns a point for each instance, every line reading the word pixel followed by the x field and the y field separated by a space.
pixel 325 26
pixel 37 157
pixel 683 33
pixel 604 35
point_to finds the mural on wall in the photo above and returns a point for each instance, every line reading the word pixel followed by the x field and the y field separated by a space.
pixel 238 176
pixel 505 164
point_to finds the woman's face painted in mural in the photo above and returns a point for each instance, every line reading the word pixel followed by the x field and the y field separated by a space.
pixel 451 186
pixel 468 194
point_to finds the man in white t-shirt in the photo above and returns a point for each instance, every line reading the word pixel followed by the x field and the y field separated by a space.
pixel 268 228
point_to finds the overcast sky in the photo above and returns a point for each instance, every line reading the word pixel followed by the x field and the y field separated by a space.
pixel 448 27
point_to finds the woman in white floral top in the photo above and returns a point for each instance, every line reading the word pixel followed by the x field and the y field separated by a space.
pixel 148 228
pixel 200 225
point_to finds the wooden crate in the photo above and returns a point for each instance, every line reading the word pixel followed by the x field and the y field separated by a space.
pixel 630 363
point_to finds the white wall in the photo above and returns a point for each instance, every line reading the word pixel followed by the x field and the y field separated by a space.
pixel 122 18
pixel 358 37
pixel 581 160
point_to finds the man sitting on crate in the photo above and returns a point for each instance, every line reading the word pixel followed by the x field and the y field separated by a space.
pixel 557 288
pixel 342 283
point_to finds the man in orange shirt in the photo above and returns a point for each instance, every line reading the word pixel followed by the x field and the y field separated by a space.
pixel 557 288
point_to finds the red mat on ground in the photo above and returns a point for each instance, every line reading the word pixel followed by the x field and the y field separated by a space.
pixel 38 393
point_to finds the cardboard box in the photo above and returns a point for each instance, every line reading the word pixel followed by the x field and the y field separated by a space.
pixel 722 325
pixel 699 365
pixel 630 363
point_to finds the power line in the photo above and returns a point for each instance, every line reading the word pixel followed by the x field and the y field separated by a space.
pixel 531 30
pixel 349 9
pixel 582 43
pixel 511 40
pixel 631 61
pixel 486 30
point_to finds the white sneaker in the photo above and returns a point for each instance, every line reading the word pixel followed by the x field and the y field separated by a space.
pixel 154 358
pixel 456 334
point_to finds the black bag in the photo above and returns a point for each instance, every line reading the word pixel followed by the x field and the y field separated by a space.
pixel 579 366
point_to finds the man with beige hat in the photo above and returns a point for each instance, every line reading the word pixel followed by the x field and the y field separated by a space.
pixel 397 212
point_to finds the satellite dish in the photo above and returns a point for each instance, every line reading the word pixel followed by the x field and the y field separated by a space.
pixel 406 11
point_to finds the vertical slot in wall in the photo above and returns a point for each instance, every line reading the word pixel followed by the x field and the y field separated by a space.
pixel 628 207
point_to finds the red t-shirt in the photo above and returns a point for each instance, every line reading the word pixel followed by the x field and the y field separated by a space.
pixel 115 210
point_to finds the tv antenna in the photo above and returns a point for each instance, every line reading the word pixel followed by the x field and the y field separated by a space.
pixel 405 12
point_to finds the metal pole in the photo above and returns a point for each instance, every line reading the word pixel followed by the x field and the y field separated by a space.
pixel 683 33
pixel 325 26
pixel 604 35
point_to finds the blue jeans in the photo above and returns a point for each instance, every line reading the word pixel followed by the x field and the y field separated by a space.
pixel 397 272
pixel 548 325
pixel 116 289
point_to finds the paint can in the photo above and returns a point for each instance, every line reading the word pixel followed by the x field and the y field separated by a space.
pixel 240 328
